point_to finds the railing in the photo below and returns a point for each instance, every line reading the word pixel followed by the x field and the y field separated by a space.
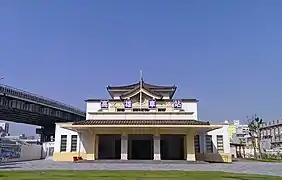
pixel 40 99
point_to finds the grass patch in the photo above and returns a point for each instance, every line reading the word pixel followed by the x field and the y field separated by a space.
pixel 266 160
pixel 127 175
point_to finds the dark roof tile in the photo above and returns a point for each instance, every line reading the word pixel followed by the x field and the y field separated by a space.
pixel 141 122
pixel 149 86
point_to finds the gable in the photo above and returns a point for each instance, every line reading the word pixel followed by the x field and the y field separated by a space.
pixel 136 91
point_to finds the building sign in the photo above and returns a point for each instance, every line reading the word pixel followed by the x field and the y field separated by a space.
pixel 152 103
pixel 177 104
pixel 104 104
pixel 128 104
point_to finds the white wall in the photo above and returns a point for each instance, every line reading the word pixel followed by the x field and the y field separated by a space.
pixel 191 107
pixel 92 107
pixel 142 115
pixel 221 131
pixel 62 131
pixel 46 147
pixel 29 152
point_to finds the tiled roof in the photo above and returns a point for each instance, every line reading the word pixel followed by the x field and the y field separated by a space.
pixel 137 89
pixel 141 122
pixel 149 86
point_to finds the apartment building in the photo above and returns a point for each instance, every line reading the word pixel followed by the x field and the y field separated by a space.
pixel 271 134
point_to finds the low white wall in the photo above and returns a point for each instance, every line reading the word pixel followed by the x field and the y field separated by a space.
pixel 47 150
pixel 28 152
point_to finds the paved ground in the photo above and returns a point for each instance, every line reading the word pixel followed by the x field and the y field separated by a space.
pixel 237 167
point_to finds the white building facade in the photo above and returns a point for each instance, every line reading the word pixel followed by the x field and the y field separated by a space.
pixel 142 121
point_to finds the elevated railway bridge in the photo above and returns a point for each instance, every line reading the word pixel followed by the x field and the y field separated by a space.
pixel 24 107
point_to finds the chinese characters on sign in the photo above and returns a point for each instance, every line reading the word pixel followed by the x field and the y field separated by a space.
pixel 152 104
pixel 128 104
pixel 177 104
pixel 104 104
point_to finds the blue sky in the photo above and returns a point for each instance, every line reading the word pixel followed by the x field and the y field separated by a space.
pixel 227 54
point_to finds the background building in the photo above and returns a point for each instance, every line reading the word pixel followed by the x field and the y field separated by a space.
pixel 4 129
pixel 271 135
pixel 238 132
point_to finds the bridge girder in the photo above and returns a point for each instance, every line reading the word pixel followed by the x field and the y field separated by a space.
pixel 30 113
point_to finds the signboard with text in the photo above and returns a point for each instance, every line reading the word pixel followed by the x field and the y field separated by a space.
pixel 128 104
pixel 177 104
pixel 152 103
pixel 104 104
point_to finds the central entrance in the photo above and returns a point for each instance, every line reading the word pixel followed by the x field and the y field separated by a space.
pixel 172 147
pixel 140 147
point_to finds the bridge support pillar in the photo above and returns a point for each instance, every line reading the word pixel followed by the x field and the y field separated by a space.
pixel 47 133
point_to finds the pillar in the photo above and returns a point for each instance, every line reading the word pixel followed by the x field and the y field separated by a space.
pixel 190 148
pixel 91 147
pixel 157 147
pixel 202 139
pixel 124 147
pixel 185 147
pixel 96 146
pixel 244 152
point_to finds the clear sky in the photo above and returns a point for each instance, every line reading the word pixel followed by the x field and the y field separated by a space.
pixel 227 54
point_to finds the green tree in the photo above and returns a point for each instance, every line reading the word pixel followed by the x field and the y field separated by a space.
pixel 254 124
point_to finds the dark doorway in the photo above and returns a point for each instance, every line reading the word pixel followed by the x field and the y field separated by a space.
pixel 109 146
pixel 141 147
pixel 117 149
pixel 172 147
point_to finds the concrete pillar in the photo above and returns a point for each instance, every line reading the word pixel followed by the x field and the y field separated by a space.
pixel 92 146
pixel 96 146
pixel 157 147
pixel 185 147
pixel 190 148
pixel 124 147
pixel 202 140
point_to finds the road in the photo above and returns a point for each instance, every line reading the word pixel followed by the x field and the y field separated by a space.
pixel 263 168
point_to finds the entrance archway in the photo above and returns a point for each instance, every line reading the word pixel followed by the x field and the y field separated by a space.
pixel 172 147
pixel 140 147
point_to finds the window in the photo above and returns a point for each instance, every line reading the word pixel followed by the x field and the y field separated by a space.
pixel 120 110
pixel 73 143
pixel 209 145
pixel 63 143
pixel 161 109
pixel 219 139
pixel 197 144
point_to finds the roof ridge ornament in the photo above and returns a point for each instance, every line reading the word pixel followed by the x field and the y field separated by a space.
pixel 140 90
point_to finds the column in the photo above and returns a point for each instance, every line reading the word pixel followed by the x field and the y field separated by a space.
pixel 157 147
pixel 190 149
pixel 202 139
pixel 185 147
pixel 124 146
pixel 90 148
pixel 96 146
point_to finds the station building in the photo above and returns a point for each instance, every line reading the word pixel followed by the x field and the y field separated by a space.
pixel 142 121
